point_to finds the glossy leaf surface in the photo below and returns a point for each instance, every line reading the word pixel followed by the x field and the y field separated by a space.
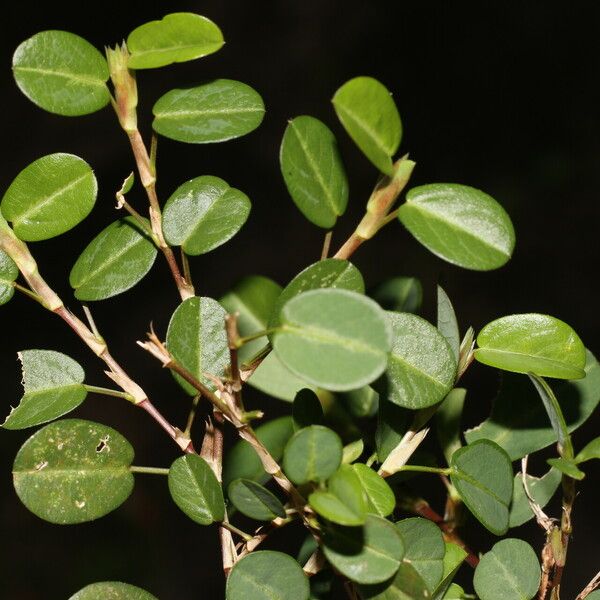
pixel 8 273
pixel 446 321
pixel 541 489
pixel 254 500
pixel 112 590
pixel 380 496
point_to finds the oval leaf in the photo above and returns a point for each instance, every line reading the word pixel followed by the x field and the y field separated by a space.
pixel 482 475
pixel 460 224
pixel 534 343
pixel 73 471
pixel 267 575
pixel 53 385
pixel 589 452
pixel 254 501
pixel 118 258
pixel 178 37
pixel 313 171
pixel 204 213
pixel 213 112
pixel 335 339
pixel 112 590
pixel 400 294
pixel 196 490
pixel 567 467
pixel 62 73
pixel 380 497
pixel 512 562
pixel 369 115
pixel 197 340
pixel 50 196
pixel 8 273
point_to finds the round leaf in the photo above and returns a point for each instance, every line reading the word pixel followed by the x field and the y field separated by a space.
pixel 335 339
pixel 400 294
pixel 213 112
pixel 421 368
pixel 118 258
pixel 512 562
pixel 368 554
pixel 267 575
pixel 112 590
pixel 203 214
pixel 53 387
pixel 196 490
pixel 73 471
pixel 533 343
pixel 482 475
pixel 178 37
pixel 254 501
pixel 196 338
pixel 380 497
pixel 313 171
pixel 62 73
pixel 369 115
pixel 460 224
pixel 50 196
pixel 8 273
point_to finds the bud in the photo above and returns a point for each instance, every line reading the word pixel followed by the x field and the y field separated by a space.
pixel 125 98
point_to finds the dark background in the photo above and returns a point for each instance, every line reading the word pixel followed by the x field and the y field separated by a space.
pixel 501 96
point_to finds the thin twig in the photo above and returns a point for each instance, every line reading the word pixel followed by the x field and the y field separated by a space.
pixel 590 587
pixel 326 245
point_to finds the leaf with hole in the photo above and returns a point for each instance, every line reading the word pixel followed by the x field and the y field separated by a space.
pixel 446 321
pixel 254 500
pixel 460 224
pixel 50 196
pixel 453 558
pixel 448 417
pixel 589 452
pixel 177 37
pixel 73 471
pixel 306 409
pixel 313 171
pixel 541 489
pixel 62 73
pixel 400 294
pixel 8 274
pixel 216 111
pixel 53 386
pixel 112 590
pixel 380 497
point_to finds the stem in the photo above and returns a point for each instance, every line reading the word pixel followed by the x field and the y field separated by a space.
pixel 423 469
pixel 149 470
pixel 234 342
pixel 590 587
pixel 26 292
pixel 93 389
pixel 255 336
pixel 191 416
pixel 326 245
pixel 245 536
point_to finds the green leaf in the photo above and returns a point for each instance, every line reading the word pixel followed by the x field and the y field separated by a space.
pixel 454 592
pixel 368 554
pixel 217 111
pixel 62 73
pixel 8 273
pixel 353 451
pixel 73 471
pixel 483 477
pixel 313 171
pixel 254 501
pixel 177 37
pixel 460 224
pixel 533 343
pixel 448 417
pixel 541 489
pixel 196 338
pixel 112 590
pixel 512 562
pixel 117 259
pixel 53 387
pixel 369 115
pixel 406 585
pixel 519 422
pixel 242 462
pixel 392 424
pixel 50 196
pixel 567 467
pixel 453 559
pixel 421 368
pixel 267 575
pixel 595 595
pixel 307 409
pixel 196 490
pixel 400 294
pixel 204 213
pixel 589 452
pixel 362 402
pixel 446 321
pixel 380 497
pixel 335 339
pixel 312 454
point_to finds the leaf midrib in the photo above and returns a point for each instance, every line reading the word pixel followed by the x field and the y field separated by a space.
pixel 166 49
pixel 549 361
pixel 183 114
pixel 66 74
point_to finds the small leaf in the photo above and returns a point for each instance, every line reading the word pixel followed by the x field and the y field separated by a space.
pixel 335 339
pixel 541 489
pixel 533 343
pixel 446 321
pixel 196 490
pixel 406 585
pixel 313 171
pixel 448 417
pixel 176 38
pixel 512 562
pixel 112 590
pixel 353 451
pixel 306 410
pixel 254 501
pixel 392 424
pixel 362 402
pixel 62 73
pixel 453 559
pixel 50 196
pixel 369 115
pixel 421 368
pixel 117 259
pixel 368 554
pixel 482 475
pixel 380 497
pixel 460 224
pixel 312 454
pixel 400 294
pixel 454 592
pixel 197 340
pixel 217 111
pixel 8 273
pixel 267 575
pixel 73 471
pixel 53 387
pixel 204 213
pixel 567 467
pixel 589 452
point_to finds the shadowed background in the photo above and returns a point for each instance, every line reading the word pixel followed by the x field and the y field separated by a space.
pixel 501 96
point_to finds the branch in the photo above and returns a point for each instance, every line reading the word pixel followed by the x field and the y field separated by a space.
pixel 590 587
